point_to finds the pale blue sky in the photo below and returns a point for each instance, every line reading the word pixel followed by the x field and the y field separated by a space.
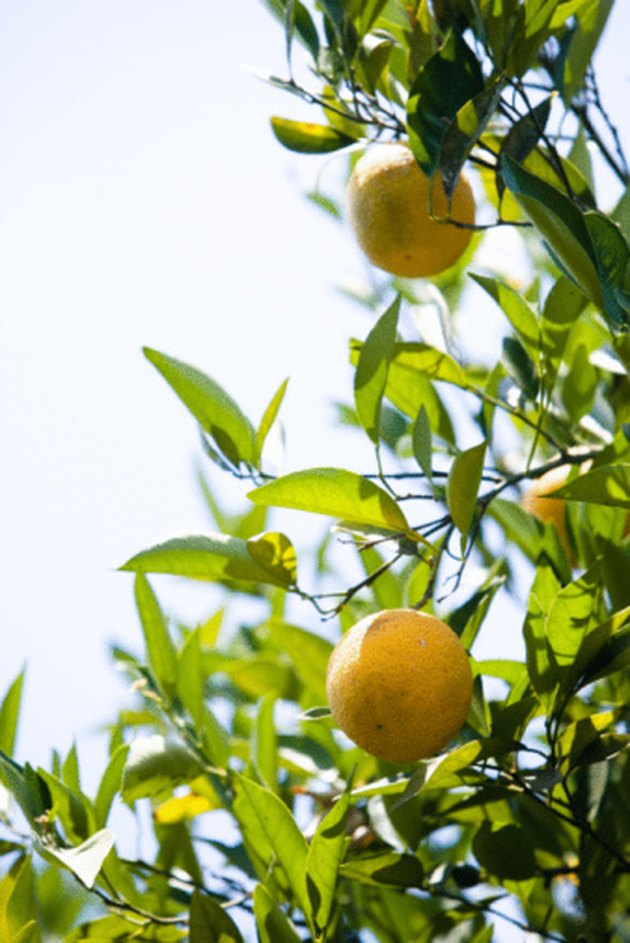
pixel 144 201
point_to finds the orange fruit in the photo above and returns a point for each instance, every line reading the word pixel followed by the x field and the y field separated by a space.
pixel 399 684
pixel 549 510
pixel 395 211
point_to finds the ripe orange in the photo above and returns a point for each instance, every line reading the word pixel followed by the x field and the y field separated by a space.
pixel 399 684
pixel 395 212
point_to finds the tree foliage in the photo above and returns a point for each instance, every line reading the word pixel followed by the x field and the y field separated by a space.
pixel 522 823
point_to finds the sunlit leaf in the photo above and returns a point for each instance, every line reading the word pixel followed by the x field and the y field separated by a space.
pixel 276 554
pixel 309 138
pixel 213 557
pixel 325 854
pixel 272 924
pixel 160 649
pixel 334 492
pixel 269 830
pixel 606 484
pixel 215 411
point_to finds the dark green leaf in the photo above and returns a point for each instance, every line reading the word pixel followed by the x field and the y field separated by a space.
pixel 385 868
pixel 519 366
pixel 449 79
pixel 506 852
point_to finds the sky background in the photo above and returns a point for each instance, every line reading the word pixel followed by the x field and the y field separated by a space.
pixel 144 201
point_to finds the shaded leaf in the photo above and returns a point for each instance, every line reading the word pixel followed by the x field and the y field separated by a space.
pixel 448 79
pixel 272 924
pixel 370 378
pixel 209 922
pixel 155 766
pixel 325 854
pixel 462 486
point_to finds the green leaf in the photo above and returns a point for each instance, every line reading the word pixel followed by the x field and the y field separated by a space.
pixel 276 554
pixel 303 25
pixel 17 900
pixel 465 130
pixel 308 652
pixel 519 366
pixel 161 652
pixel 9 715
pixel 215 557
pixel 155 766
pixel 518 311
pixel 370 378
pixel 588 246
pixel 540 667
pixel 270 415
pixel 67 807
pixel 265 743
pixel 335 492
pixel 210 922
pixel 448 79
pixel 385 868
pixel 462 486
pixel 325 854
pixel 84 860
pixel 433 363
pixel 576 739
pixel 272 836
pixel 591 20
pixel 27 788
pixel 110 784
pixel 579 385
pixel 421 443
pixel 272 923
pixel 607 484
pixel 506 852
pixel 309 138
pixel 559 222
pixel 572 614
pixel 191 678
pixel 215 411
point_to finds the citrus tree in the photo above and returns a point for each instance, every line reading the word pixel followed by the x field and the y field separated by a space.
pixel 488 798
